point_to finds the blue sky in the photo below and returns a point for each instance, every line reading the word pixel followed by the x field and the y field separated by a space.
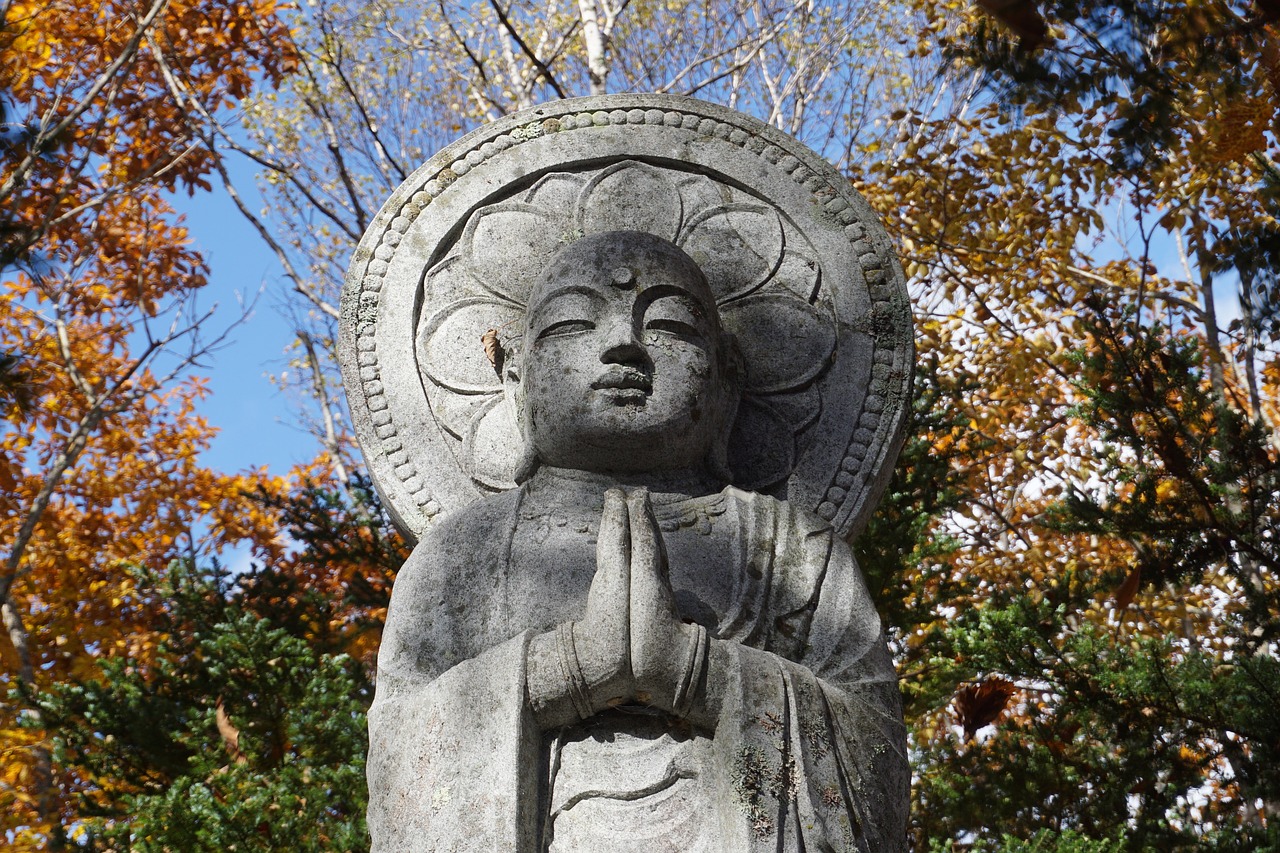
pixel 255 422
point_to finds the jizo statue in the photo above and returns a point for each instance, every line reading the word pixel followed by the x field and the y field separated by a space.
pixel 631 621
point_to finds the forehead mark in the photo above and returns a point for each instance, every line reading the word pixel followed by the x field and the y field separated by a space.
pixel 623 278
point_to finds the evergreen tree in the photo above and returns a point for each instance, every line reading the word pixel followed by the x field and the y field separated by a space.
pixel 244 728
pixel 1135 708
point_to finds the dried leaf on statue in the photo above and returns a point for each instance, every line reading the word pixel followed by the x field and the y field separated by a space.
pixel 493 349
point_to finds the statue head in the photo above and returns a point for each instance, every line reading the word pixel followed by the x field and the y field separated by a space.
pixel 624 366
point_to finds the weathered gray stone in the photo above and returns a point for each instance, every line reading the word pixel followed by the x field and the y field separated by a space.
pixel 636 626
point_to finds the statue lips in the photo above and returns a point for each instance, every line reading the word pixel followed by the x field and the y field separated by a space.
pixel 627 384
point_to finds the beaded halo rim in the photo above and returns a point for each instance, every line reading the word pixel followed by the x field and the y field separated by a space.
pixel 869 442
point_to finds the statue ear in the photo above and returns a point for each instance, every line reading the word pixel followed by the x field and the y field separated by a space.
pixel 513 390
pixel 733 381
pixel 510 375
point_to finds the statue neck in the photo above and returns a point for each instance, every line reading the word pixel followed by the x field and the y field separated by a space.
pixel 669 485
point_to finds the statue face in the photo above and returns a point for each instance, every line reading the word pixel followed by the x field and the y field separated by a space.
pixel 623 358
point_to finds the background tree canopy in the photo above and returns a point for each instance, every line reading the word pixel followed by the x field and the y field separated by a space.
pixel 1077 559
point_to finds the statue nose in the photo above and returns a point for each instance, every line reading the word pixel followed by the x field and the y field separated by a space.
pixel 622 346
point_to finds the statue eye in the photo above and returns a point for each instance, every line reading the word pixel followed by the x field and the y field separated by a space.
pixel 566 327
pixel 674 315
pixel 672 326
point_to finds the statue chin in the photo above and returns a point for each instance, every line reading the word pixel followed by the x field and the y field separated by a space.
pixel 633 437
pixel 657 451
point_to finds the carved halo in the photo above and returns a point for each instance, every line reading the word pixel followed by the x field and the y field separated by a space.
pixel 802 271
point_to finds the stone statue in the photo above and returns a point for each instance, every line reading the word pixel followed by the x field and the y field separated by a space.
pixel 616 646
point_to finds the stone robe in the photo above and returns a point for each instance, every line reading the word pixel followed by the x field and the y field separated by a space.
pixel 808 752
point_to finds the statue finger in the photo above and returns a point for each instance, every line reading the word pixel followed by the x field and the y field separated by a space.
pixel 602 638
pixel 646 548
pixel 613 550
pixel 652 601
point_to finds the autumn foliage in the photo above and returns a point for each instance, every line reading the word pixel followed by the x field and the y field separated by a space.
pixel 99 470
pixel 1083 532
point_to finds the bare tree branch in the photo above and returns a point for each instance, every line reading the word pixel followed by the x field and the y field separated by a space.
pixel 331 443
pixel 336 64
pixel 207 133
pixel 533 57
pixel 107 77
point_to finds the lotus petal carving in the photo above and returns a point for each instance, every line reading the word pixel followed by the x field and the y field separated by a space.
pixel 785 343
pixel 738 246
pixel 557 191
pixel 449 349
pixel 762 446
pixel 487 450
pixel 800 274
pixel 449 281
pixel 799 408
pixel 457 412
pixel 631 196
pixel 530 233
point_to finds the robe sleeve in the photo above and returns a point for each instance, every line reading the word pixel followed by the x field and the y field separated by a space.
pixel 450 760
pixel 810 739
pixel 452 743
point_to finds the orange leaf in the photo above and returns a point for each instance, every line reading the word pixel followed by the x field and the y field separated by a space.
pixel 1125 594
pixel 230 734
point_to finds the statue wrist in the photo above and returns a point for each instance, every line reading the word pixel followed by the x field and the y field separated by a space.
pixel 691 670
pixel 568 681
pixel 553 686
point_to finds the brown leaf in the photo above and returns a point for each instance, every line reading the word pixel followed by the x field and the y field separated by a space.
pixel 230 734
pixel 493 349
pixel 979 705
pixel 1125 594
pixel 1022 17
